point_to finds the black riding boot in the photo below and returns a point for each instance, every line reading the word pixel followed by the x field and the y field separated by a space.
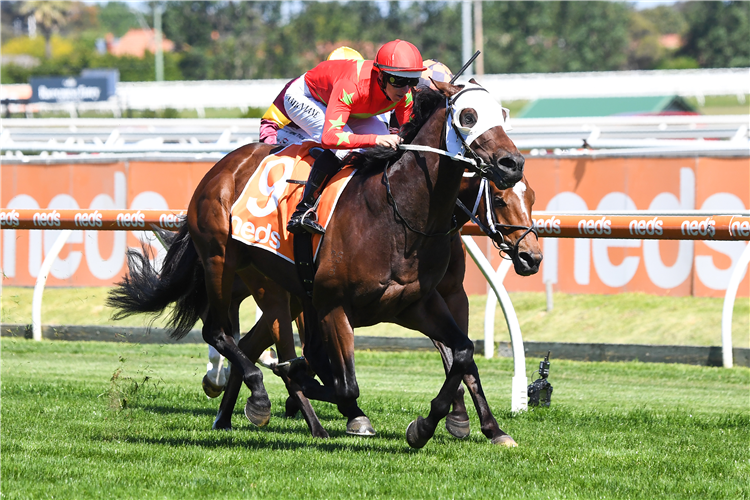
pixel 304 217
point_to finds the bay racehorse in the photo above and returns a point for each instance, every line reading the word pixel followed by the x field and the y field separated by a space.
pixel 504 215
pixel 386 249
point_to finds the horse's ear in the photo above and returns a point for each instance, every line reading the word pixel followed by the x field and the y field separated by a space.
pixel 474 82
pixel 445 88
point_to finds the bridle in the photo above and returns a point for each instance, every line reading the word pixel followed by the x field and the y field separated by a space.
pixel 475 164
pixel 494 229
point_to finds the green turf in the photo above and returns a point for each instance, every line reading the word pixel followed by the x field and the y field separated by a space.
pixel 621 430
pixel 627 318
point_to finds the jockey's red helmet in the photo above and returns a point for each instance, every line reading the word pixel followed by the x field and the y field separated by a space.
pixel 400 58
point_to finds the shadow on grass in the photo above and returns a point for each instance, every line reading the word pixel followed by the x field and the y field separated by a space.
pixel 239 416
pixel 171 410
pixel 257 439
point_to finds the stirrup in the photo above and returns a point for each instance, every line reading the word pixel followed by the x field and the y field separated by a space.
pixel 303 222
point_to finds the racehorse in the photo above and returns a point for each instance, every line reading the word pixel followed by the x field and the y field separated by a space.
pixel 504 215
pixel 386 249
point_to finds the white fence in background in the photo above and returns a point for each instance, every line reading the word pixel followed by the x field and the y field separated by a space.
pixel 201 95
pixel 677 135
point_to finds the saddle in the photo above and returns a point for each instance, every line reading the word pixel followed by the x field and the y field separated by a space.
pixel 260 214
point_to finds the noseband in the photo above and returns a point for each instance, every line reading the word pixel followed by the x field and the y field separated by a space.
pixel 494 229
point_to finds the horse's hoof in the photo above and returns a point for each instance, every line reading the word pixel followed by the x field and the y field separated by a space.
pixel 320 433
pixel 212 390
pixel 257 415
pixel 457 428
pixel 360 426
pixel 291 408
pixel 505 440
pixel 221 427
pixel 412 435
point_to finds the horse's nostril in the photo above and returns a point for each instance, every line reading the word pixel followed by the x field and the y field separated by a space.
pixel 529 261
pixel 508 162
pixel 512 162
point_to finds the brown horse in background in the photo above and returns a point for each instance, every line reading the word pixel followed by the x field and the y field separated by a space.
pixel 386 249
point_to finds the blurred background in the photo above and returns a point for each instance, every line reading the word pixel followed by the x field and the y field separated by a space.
pixel 127 105
pixel 205 41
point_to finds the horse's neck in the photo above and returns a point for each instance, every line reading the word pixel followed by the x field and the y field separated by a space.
pixel 444 175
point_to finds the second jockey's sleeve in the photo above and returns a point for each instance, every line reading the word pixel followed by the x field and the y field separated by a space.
pixel 343 95
pixel 404 108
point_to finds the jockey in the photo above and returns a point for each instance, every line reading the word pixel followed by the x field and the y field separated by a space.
pixel 337 103
pixel 435 70
pixel 275 117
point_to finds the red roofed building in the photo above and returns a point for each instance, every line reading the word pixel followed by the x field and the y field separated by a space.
pixel 136 43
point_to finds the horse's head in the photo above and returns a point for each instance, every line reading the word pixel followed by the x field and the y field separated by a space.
pixel 475 128
pixel 506 215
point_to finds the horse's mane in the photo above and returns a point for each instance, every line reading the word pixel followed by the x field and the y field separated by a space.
pixel 425 103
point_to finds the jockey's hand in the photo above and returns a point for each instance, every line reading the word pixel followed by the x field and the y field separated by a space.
pixel 392 141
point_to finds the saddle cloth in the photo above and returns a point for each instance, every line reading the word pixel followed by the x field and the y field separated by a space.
pixel 260 214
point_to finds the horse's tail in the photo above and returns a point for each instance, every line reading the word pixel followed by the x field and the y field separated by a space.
pixel 181 281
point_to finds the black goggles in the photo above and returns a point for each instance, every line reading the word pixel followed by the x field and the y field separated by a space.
pixel 401 81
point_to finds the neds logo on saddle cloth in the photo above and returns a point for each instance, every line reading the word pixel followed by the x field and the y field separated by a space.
pixel 260 214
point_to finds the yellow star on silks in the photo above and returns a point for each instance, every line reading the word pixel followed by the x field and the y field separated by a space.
pixel 360 63
pixel 337 123
pixel 346 98
pixel 343 137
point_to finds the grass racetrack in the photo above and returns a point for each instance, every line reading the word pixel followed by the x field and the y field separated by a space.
pixel 117 420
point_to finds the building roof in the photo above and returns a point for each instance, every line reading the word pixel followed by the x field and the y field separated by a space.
pixel 136 42
pixel 605 106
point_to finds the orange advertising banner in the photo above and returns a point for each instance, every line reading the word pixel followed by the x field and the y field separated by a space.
pixel 581 265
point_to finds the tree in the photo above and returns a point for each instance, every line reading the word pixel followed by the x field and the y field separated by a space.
pixel 718 34
pixel 645 50
pixel 667 19
pixel 117 18
pixel 49 16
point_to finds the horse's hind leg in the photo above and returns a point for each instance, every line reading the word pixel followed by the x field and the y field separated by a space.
pixel 220 272
pixel 340 346
pixel 276 329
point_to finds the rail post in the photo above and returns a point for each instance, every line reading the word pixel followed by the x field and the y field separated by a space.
pixel 726 314
pixel 41 281
pixel 519 383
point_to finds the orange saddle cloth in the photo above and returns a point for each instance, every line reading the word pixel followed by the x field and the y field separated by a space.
pixel 260 214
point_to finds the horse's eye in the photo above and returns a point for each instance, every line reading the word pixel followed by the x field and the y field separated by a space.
pixel 498 202
pixel 468 118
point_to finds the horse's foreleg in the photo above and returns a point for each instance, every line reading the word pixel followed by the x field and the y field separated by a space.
pixel 457 421
pixel 340 345
pixel 451 288
pixel 432 317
